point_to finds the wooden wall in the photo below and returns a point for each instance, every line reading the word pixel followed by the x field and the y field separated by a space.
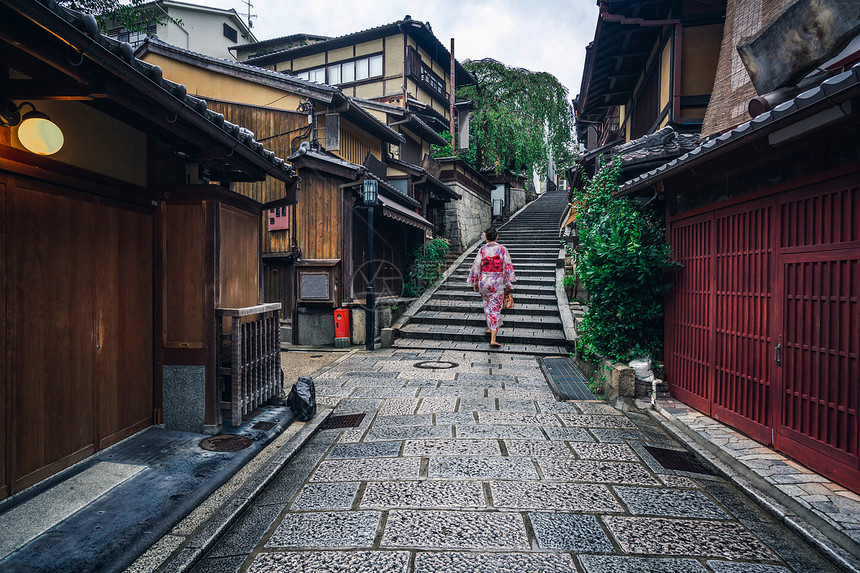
pixel 319 217
pixel 239 259
pixel 184 255
pixel 77 335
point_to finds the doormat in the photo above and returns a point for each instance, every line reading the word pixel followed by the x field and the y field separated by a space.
pixel 679 461
pixel 345 421
pixel 566 379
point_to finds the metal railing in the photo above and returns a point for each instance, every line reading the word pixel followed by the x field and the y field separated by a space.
pixel 249 358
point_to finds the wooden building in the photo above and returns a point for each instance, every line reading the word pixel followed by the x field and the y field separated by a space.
pixel 401 63
pixel 762 327
pixel 118 250
pixel 334 143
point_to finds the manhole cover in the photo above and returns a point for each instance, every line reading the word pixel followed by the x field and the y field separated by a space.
pixel 345 421
pixel 263 426
pixel 226 443
pixel 679 461
pixel 436 364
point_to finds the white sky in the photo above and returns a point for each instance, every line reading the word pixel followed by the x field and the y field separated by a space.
pixel 540 35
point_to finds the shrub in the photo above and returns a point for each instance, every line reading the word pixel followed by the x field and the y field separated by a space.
pixel 623 265
pixel 426 267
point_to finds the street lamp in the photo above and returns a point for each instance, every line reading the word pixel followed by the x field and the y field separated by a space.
pixel 37 133
pixel 371 191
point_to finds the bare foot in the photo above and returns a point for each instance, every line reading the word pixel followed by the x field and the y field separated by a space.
pixel 495 344
pixel 487 331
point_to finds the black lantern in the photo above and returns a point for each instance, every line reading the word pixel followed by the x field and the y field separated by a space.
pixel 371 191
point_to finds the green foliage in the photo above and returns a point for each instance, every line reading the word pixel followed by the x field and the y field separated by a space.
pixel 569 280
pixel 623 264
pixel 426 267
pixel 133 15
pixel 520 117
pixel 469 155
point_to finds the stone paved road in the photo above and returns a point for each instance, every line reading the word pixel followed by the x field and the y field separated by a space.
pixel 476 468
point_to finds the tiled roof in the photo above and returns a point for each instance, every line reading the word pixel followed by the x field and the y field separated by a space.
pixel 147 76
pixel 778 117
pixel 665 143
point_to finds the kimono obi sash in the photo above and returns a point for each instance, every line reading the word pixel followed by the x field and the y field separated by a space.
pixel 491 264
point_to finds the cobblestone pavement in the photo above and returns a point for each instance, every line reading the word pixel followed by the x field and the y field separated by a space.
pixel 476 468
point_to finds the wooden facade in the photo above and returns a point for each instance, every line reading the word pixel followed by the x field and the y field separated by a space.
pixel 112 264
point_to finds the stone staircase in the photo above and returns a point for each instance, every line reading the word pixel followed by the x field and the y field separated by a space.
pixel 453 317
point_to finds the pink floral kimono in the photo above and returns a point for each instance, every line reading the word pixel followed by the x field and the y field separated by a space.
pixel 493 272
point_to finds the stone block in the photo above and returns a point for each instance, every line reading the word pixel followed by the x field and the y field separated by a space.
pixel 315 327
pixel 387 337
pixel 341 342
pixel 620 380
pixel 184 397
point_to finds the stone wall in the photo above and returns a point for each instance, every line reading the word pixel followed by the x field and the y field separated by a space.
pixel 518 199
pixel 465 219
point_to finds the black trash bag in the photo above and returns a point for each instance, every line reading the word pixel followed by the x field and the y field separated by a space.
pixel 303 399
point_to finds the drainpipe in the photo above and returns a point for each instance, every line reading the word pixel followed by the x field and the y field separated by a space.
pixel 451 98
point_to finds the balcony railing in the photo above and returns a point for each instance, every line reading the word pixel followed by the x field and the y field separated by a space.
pixel 249 358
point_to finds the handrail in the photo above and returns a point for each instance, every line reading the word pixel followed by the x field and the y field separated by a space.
pixel 248 310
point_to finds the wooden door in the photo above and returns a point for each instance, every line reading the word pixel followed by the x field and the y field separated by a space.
pixel 743 298
pixel 819 314
pixel 49 329
pixel 123 324
pixel 689 312
pixel 4 385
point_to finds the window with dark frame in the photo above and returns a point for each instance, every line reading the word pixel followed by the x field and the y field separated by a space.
pixel 230 33
pixel 340 73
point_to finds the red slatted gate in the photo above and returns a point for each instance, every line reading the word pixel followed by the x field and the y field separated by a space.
pixel 780 359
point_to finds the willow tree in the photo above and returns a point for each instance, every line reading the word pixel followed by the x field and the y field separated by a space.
pixel 521 118
pixel 133 15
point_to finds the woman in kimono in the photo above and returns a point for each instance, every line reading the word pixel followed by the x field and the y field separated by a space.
pixel 491 275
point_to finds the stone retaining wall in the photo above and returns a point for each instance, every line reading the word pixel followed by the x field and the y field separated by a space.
pixel 466 219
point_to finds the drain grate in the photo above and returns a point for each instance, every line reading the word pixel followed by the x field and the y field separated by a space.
pixel 345 421
pixel 436 364
pixel 265 426
pixel 226 443
pixel 566 379
pixel 679 461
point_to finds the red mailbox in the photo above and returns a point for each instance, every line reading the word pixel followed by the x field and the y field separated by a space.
pixel 341 323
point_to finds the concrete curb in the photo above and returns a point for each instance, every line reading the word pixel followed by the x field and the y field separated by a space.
pixel 822 536
pixel 204 538
pixel 564 304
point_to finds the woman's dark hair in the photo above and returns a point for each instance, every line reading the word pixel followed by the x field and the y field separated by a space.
pixel 491 234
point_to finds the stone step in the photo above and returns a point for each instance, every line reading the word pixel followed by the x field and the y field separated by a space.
pixel 477 319
pixel 519 288
pixel 467 294
pixel 474 306
pixel 546 337
pixel 522 278
pixel 483 346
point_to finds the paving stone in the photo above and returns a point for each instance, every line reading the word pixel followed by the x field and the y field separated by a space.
pixel 475 384
pixel 469 404
pixel 568 532
pixel 552 407
pixel 326 529
pixel 322 496
pixel 244 535
pixel 554 496
pixel 617 436
pixel 351 436
pixel 482 467
pixel 735 502
pixel 661 536
pixel 332 562
pixel 455 418
pixel 453 562
pixel 537 449
pixel 791 549
pixel 358 373
pixel 602 451
pixel 384 393
pixel 365 450
pixel 383 434
pixel 367 469
pixel 433 405
pixel 596 421
pixel 597 407
pixel 413 420
pixel 422 383
pixel 430 448
pixel 220 564
pixel 455 530
pixel 736 567
pixel 368 382
pixel 669 502
pixel 424 373
pixel 398 407
pixel 495 380
pixel 595 471
pixel 451 392
pixel 289 480
pixel 517 419
pixel 569 434
pixel 331 391
pixel 520 394
pixel 506 405
pixel 678 481
pixel 500 432
pixel 351 406
pixel 423 494
pixel 614 564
